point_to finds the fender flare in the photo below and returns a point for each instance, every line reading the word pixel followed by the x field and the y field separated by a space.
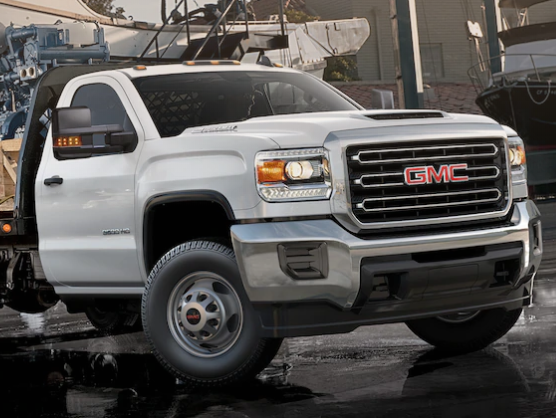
pixel 175 197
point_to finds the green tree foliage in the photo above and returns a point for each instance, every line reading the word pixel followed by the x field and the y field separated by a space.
pixel 297 16
pixel 106 8
pixel 341 69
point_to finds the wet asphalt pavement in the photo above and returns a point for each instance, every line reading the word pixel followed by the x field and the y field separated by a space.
pixel 56 365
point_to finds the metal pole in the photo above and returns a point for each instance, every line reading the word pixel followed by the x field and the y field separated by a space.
pixel 492 13
pixel 246 18
pixel 282 24
pixel 406 51
pixel 186 11
pixel 379 46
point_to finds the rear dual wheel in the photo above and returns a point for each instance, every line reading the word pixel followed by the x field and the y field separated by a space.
pixel 198 319
pixel 112 322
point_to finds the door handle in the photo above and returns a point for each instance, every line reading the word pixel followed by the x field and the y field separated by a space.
pixel 53 180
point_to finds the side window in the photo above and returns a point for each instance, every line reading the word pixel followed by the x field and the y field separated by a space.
pixel 106 109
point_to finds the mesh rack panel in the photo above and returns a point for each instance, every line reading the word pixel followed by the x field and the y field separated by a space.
pixel 173 112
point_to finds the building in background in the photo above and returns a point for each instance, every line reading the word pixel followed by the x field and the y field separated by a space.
pixel 446 53
pixel 265 8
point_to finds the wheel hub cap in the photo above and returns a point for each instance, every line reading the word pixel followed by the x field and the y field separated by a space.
pixel 204 314
pixel 193 317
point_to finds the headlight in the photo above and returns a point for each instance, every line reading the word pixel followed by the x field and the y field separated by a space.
pixel 290 175
pixel 516 154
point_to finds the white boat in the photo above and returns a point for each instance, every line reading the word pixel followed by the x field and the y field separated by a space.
pixel 309 43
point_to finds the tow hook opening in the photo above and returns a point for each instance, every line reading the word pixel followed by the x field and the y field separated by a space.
pixel 537 239
pixel 505 272
pixel 304 261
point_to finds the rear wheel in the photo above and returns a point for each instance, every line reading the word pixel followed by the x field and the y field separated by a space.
pixel 110 322
pixel 32 301
pixel 465 331
pixel 198 319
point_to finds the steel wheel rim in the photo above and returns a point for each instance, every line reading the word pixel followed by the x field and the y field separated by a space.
pixel 205 314
pixel 459 317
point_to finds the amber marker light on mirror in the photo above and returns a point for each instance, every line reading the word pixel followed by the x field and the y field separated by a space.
pixel 271 171
pixel 68 141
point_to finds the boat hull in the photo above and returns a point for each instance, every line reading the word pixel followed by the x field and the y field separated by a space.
pixel 530 109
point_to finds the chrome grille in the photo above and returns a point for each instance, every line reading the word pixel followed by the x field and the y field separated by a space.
pixel 379 192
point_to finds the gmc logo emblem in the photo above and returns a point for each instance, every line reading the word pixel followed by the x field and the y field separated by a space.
pixel 429 174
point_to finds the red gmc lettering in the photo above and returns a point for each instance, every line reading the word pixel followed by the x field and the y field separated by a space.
pixel 453 176
pixel 428 174
pixel 442 176
pixel 415 175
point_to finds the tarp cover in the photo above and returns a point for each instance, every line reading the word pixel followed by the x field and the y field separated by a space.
pixel 526 34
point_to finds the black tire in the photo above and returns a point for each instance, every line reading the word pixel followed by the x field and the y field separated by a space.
pixel 243 358
pixel 32 301
pixel 474 334
pixel 110 322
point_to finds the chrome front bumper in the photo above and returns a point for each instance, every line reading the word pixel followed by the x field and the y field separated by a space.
pixel 256 249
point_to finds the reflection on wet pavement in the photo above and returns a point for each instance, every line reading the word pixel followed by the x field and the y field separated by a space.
pixel 55 365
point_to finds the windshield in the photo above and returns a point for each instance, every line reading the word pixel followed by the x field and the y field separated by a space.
pixel 181 101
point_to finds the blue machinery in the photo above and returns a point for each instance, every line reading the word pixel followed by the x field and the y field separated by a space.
pixel 27 52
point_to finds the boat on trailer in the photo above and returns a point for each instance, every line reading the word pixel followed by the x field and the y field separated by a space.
pixel 306 48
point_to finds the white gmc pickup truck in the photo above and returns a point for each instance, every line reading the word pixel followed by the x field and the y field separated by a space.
pixel 233 205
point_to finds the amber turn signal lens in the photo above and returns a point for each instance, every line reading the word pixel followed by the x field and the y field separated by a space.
pixel 6 228
pixel 68 141
pixel 271 171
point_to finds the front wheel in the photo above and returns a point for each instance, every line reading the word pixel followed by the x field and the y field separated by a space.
pixel 465 331
pixel 198 319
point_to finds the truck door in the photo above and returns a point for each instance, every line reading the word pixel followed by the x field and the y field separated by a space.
pixel 86 206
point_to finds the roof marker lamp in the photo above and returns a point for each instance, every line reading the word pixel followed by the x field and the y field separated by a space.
pixel 293 175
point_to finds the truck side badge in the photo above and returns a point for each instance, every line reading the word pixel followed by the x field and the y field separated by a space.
pixel 116 231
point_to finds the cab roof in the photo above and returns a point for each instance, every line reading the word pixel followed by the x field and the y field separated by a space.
pixel 140 71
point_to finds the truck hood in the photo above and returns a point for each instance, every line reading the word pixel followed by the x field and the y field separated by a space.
pixel 312 129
